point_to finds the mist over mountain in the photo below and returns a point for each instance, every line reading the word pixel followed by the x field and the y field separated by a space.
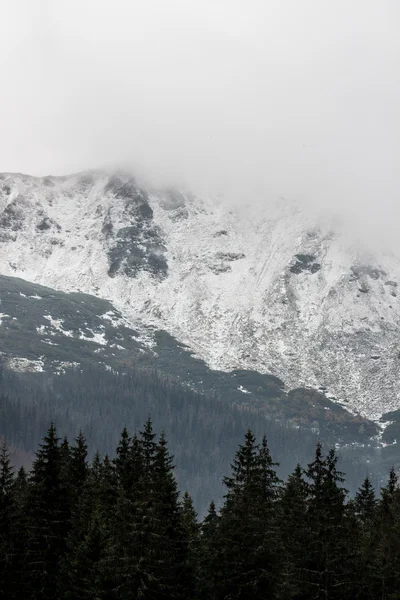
pixel 288 99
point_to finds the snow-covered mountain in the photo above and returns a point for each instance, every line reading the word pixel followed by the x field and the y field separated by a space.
pixel 273 289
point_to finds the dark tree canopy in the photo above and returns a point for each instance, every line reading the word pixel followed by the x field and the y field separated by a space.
pixel 120 529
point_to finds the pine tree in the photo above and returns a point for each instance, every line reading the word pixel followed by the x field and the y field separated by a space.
pixel 128 552
pixel 365 503
pixel 172 565
pixel 78 466
pixel 19 536
pixel 48 512
pixel 331 553
pixel 208 553
pixel 6 513
pixel 65 453
pixel 384 567
pixel 364 507
pixel 84 571
pixel 247 555
pixel 149 550
pixel 294 536
pixel 189 519
pixel 191 533
pixel 148 451
pixel 122 460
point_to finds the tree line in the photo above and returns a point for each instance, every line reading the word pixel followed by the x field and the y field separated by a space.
pixel 119 528
pixel 203 430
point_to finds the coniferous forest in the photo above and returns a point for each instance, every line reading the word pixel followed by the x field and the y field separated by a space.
pixel 119 528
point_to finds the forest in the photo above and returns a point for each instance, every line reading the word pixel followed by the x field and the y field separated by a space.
pixel 120 528
pixel 203 430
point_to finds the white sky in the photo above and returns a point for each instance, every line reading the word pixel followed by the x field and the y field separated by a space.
pixel 296 97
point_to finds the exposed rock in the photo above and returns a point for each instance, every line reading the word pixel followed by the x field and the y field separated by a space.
pixel 304 263
pixel 230 256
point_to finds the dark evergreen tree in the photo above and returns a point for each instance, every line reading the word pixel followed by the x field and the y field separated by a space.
pixel 132 543
pixel 384 562
pixel 123 466
pixel 118 529
pixel 48 512
pixel 84 572
pixel 172 565
pixel 19 536
pixel 364 507
pixel 189 519
pixel 78 466
pixel 295 536
pixel 148 548
pixel 247 555
pixel 6 515
pixel 208 554
pixel 191 530
pixel 65 453
pixel 365 503
pixel 331 552
pixel 148 451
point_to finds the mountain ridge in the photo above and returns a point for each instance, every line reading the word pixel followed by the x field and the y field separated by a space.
pixel 275 290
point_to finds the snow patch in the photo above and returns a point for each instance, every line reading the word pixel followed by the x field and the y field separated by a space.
pixel 22 365
pixel 243 390
pixel 97 338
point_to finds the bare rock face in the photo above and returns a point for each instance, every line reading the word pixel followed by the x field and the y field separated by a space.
pixel 272 290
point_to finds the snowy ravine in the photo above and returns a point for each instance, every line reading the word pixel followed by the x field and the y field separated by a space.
pixel 269 289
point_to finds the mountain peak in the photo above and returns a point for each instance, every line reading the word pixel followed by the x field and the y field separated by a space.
pixel 274 289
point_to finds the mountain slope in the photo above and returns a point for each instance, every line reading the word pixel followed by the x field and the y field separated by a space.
pixel 52 332
pixel 70 358
pixel 273 290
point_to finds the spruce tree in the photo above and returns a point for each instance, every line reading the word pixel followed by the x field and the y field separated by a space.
pixel 295 536
pixel 331 553
pixel 172 567
pixel 247 554
pixel 48 512
pixel 148 549
pixel 365 508
pixel 191 532
pixel 19 536
pixel 6 515
pixel 384 568
pixel 129 558
pixel 189 519
pixel 208 554
pixel 84 569
pixel 78 466
pixel 122 461
pixel 365 503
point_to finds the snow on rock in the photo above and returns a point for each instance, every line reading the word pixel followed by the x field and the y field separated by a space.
pixel 274 289
pixel 243 390
pixel 97 338
pixel 21 364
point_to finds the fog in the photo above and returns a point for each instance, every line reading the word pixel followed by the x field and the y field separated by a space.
pixel 264 98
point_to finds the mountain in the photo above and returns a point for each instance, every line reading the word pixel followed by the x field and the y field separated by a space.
pixel 273 289
pixel 119 300
pixel 71 359
pixel 46 331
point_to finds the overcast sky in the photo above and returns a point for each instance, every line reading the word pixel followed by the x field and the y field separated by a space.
pixel 295 97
